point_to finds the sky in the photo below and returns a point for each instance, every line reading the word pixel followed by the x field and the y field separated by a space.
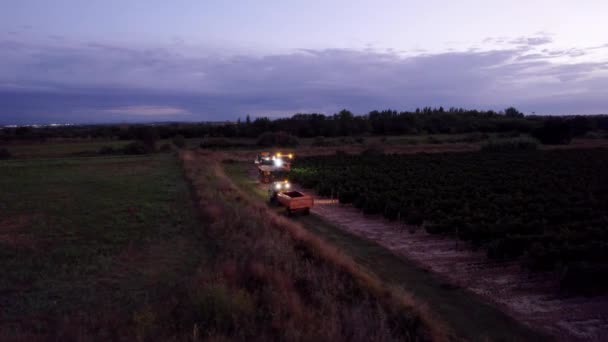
pixel 100 61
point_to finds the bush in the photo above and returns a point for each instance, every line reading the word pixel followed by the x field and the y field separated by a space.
pixel 505 145
pixel 277 139
pixel 179 141
pixel 5 154
pixel 554 132
pixel 137 147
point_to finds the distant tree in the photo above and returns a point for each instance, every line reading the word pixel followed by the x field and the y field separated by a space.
pixel 580 125
pixel 512 112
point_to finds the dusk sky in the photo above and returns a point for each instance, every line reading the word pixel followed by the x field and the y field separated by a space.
pixel 193 60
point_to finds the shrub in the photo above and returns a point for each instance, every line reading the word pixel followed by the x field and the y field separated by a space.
pixel 554 132
pixel 505 145
pixel 179 141
pixel 277 139
pixel 5 154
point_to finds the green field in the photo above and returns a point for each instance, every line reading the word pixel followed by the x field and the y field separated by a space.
pixel 91 240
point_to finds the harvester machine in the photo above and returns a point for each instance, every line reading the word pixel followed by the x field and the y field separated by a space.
pixel 269 165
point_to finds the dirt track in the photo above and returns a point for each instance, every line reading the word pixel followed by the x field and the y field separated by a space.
pixel 528 297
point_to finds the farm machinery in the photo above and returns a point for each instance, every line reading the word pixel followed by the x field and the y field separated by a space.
pixel 280 192
pixel 269 165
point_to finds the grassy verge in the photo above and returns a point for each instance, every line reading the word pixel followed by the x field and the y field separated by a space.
pixel 467 315
pixel 290 284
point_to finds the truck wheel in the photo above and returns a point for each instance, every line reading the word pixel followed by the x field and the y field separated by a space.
pixel 307 211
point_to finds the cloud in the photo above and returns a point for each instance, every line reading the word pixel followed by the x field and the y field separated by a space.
pixel 147 110
pixel 532 41
pixel 99 81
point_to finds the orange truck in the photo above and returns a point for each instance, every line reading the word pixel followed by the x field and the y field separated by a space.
pixel 295 201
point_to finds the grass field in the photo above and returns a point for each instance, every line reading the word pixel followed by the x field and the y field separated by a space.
pixel 86 244
pixel 466 314
pixel 125 248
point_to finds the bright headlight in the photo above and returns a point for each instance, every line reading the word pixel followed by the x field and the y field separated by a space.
pixel 278 162
pixel 278 186
pixel 287 185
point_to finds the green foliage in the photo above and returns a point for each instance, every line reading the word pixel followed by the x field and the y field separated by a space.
pixel 548 207
pixel 507 145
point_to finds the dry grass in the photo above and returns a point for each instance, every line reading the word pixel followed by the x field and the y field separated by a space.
pixel 300 287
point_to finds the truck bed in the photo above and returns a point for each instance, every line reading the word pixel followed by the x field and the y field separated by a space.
pixel 295 200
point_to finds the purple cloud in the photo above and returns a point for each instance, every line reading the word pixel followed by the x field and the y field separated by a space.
pixel 96 81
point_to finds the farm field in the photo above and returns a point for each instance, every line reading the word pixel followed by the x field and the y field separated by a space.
pixel 88 246
pixel 547 208
pixel 137 248
pixel 467 315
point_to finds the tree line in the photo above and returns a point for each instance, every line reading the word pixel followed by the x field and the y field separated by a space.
pixel 425 120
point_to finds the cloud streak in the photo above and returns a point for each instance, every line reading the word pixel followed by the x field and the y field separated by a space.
pixel 90 80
